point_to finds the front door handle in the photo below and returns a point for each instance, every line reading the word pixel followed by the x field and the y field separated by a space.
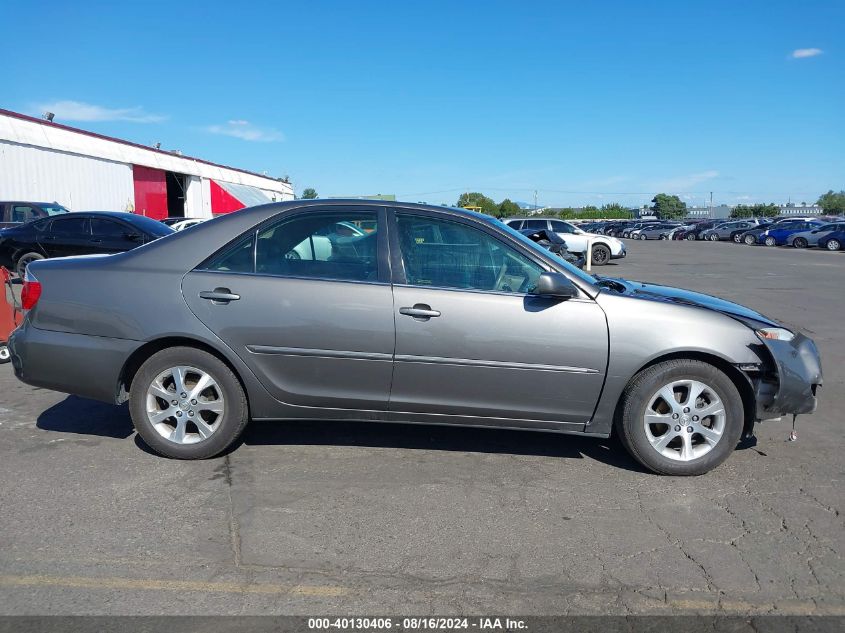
pixel 219 296
pixel 420 311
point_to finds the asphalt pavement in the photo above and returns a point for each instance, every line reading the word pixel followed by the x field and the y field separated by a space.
pixel 317 518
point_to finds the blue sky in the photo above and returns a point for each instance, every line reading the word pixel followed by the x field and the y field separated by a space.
pixel 586 102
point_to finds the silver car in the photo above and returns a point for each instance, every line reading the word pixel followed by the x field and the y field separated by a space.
pixel 812 237
pixel 724 231
pixel 419 315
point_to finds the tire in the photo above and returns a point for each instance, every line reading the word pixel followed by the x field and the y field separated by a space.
pixel 226 394
pixel 642 237
pixel 601 254
pixel 25 260
pixel 5 355
pixel 691 237
pixel 750 240
pixel 770 241
pixel 664 237
pixel 685 454
pixel 713 237
pixel 800 242
pixel 737 238
pixel 833 245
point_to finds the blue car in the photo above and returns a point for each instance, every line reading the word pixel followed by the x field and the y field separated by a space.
pixel 833 241
pixel 780 236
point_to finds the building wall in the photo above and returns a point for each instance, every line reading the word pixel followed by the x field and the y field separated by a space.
pixel 78 182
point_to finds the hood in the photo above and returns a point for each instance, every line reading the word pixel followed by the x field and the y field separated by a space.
pixel 668 294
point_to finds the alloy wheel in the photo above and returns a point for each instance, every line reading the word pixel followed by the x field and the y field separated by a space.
pixel 750 240
pixel 684 420
pixel 833 245
pixel 770 241
pixel 185 405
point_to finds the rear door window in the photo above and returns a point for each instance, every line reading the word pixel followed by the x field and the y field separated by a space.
pixel 70 226
pixel 108 229
pixel 22 213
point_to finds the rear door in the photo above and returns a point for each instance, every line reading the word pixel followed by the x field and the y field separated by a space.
pixel 305 301
pixel 488 347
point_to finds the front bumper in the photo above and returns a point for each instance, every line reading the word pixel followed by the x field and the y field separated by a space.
pixel 620 253
pixel 799 374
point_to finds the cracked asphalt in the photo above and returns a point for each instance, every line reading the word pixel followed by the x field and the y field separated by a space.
pixel 317 518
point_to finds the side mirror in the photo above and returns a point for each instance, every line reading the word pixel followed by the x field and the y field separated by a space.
pixel 555 285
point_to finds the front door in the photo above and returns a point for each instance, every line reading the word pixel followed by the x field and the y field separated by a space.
pixel 306 303
pixel 471 339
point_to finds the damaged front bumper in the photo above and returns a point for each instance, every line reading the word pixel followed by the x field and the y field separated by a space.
pixel 791 387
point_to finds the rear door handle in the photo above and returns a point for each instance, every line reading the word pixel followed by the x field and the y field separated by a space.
pixel 219 296
pixel 420 311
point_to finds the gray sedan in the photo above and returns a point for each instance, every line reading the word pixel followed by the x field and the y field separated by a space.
pixel 812 237
pixel 724 231
pixel 654 232
pixel 420 315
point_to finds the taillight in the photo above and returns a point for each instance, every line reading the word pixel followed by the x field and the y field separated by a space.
pixel 31 291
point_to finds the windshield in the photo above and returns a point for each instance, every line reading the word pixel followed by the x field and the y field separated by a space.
pixel 536 247
pixel 54 209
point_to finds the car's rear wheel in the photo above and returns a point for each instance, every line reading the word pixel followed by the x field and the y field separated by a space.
pixel 800 242
pixel 5 356
pixel 680 417
pixel 663 236
pixel 186 403
pixel 737 238
pixel 750 240
pixel 642 236
pixel 691 237
pixel 770 241
pixel 601 254
pixel 25 260
pixel 833 245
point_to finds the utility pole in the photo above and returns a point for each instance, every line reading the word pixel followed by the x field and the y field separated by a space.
pixel 711 204
pixel 535 200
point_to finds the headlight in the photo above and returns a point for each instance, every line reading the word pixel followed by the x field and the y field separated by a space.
pixel 776 334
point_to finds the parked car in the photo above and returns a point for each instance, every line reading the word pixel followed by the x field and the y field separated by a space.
pixel 654 231
pixel 695 232
pixel 726 230
pixel 751 236
pixel 603 250
pixel 16 213
pixel 811 237
pixel 186 224
pixel 779 234
pixel 78 233
pixel 615 228
pixel 834 241
pixel 174 219
pixel 626 231
pixel 437 315
pixel 552 242
pixel 678 232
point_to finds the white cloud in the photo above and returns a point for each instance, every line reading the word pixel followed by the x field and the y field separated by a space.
pixel 801 53
pixel 685 183
pixel 246 131
pixel 80 111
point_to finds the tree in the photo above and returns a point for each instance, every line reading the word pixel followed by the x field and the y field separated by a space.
pixel 614 210
pixel 479 202
pixel 508 208
pixel 833 203
pixel 309 193
pixel 759 210
pixel 668 207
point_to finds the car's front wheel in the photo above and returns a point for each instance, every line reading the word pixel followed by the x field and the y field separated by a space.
pixel 800 242
pixel 691 237
pixel 833 245
pixel 770 241
pixel 5 356
pixel 186 403
pixel 601 254
pixel 737 238
pixel 750 240
pixel 680 417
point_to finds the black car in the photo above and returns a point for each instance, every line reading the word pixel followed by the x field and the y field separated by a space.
pixel 78 233
pixel 552 242
pixel 17 213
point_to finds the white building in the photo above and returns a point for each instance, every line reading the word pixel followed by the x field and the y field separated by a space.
pixel 41 161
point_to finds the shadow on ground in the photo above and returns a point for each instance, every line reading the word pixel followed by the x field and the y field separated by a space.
pixel 90 417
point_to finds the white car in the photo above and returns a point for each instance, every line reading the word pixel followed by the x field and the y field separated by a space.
pixel 604 249
pixel 186 224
